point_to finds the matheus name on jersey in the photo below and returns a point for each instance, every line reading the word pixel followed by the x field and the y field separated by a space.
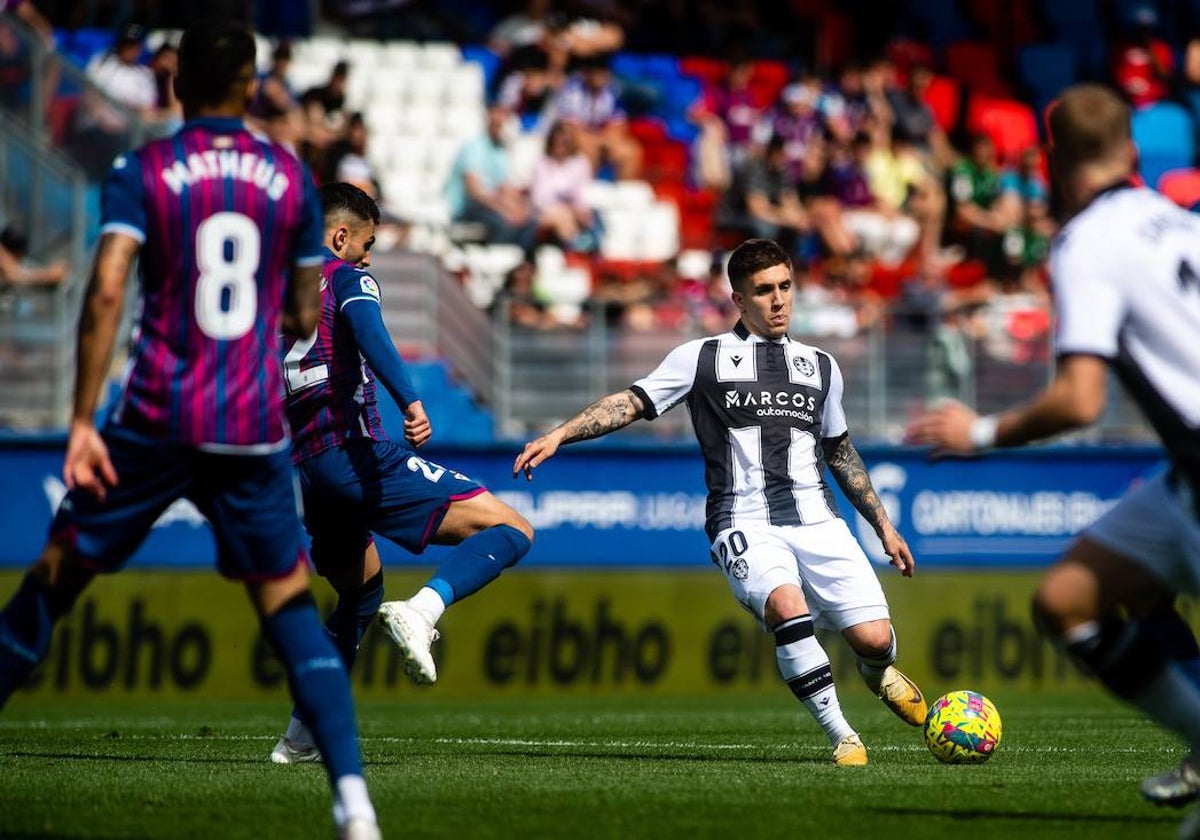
pixel 760 409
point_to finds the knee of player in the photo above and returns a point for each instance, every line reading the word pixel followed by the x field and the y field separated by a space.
pixel 872 639
pixel 1058 605
pixel 519 523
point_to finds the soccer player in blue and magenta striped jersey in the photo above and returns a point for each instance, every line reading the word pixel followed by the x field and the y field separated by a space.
pixel 229 231
pixel 357 483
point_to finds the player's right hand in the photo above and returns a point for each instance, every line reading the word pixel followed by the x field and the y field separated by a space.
pixel 417 429
pixel 534 453
pixel 87 465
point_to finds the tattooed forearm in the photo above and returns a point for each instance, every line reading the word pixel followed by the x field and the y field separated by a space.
pixel 851 475
pixel 601 417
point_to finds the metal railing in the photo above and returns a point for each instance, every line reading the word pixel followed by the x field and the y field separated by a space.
pixel 47 196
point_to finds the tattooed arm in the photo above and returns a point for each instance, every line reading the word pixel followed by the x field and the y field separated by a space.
pixel 850 473
pixel 616 411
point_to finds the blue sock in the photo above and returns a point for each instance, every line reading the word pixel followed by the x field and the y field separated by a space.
pixel 355 611
pixel 477 561
pixel 318 681
pixel 26 627
pixel 348 622
pixel 1175 637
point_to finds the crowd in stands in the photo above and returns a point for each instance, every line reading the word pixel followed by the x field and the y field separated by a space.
pixel 905 174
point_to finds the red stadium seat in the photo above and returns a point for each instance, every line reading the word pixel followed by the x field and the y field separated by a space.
pixel 59 115
pixel 966 274
pixel 648 130
pixel 944 98
pixel 1011 125
pixel 708 70
pixel 975 65
pixel 1181 186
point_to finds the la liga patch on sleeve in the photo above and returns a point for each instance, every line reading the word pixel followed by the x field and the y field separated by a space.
pixel 369 286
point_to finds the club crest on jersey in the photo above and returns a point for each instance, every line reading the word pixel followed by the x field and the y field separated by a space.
pixel 803 365
pixel 369 286
pixel 803 371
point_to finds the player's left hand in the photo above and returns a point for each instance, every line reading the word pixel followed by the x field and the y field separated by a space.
pixel 534 453
pixel 946 428
pixel 417 430
pixel 87 465
pixel 895 547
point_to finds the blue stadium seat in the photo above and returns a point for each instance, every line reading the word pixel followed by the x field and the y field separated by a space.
pixel 485 58
pixel 1080 24
pixel 455 417
pixel 940 21
pixel 1165 137
pixel 1045 70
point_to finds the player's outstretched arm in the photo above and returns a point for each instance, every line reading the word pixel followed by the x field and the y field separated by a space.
pixel 87 464
pixel 848 469
pixel 1075 398
pixel 616 411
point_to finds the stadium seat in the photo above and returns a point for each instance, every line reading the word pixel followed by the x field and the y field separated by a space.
pixel 399 55
pixel 1181 186
pixel 426 86
pixel 1046 70
pixel 710 71
pixel 1164 136
pixel 466 85
pixel 976 66
pixel 1079 23
pixel 486 59
pixel 940 20
pixel 944 98
pixel 439 55
pixel 1012 125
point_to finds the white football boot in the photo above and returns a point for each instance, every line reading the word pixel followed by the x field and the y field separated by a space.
pixel 286 752
pixel 359 829
pixel 1176 787
pixel 414 634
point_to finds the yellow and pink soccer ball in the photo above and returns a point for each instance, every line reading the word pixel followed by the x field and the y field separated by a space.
pixel 962 727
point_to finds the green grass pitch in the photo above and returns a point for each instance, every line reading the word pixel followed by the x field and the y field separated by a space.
pixel 730 767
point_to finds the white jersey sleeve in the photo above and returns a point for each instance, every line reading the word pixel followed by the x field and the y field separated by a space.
pixel 833 419
pixel 671 382
pixel 1089 301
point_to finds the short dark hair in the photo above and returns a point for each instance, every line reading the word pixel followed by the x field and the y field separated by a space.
pixel 343 198
pixel 751 257
pixel 1088 123
pixel 13 240
pixel 214 55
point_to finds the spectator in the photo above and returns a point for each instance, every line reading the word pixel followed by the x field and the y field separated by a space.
pixel 348 158
pixel 325 104
pixel 763 201
pixel 103 128
pixel 1142 63
pixel 835 303
pixel 529 87
pixel 275 109
pixel 796 121
pixel 855 220
pixel 519 304
pixel 914 119
pixel 164 65
pixel 557 189
pixel 727 115
pixel 14 248
pixel 590 101
pixel 902 184
pixel 479 189
pixel 977 219
pixel 709 305
pixel 1025 198
pixel 857 105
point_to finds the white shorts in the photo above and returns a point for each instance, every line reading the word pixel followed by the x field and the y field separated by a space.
pixel 1156 526
pixel 824 560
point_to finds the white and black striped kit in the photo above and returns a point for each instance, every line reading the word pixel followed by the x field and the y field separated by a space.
pixel 760 409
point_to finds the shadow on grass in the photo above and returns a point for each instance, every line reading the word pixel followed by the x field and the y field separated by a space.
pixel 1032 816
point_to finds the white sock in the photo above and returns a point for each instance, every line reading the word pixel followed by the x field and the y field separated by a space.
pixel 350 801
pixel 298 734
pixel 872 667
pixel 804 666
pixel 429 603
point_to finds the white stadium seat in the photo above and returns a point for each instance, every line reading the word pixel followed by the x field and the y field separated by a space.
pixel 399 55
pixel 439 55
pixel 426 87
pixel 465 85
pixel 632 194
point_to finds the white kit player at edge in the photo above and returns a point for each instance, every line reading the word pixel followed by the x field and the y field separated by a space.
pixel 767 413
pixel 1126 276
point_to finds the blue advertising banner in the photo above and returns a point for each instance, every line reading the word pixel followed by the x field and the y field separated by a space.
pixel 643 505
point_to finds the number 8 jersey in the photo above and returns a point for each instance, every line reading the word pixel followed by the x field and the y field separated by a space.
pixel 330 390
pixel 760 409
pixel 222 215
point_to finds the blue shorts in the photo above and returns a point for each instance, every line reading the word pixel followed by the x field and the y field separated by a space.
pixel 366 486
pixel 250 500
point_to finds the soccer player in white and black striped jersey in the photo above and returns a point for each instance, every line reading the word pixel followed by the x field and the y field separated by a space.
pixel 1126 276
pixel 767 412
